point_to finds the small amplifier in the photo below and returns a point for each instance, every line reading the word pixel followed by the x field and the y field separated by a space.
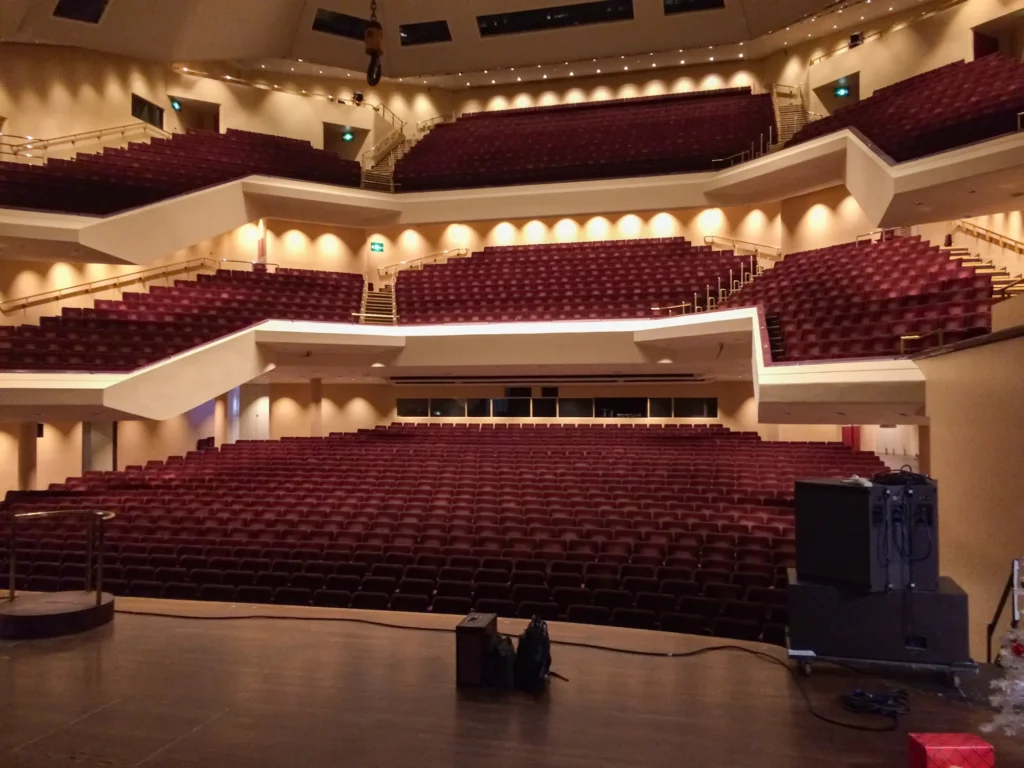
pixel 473 638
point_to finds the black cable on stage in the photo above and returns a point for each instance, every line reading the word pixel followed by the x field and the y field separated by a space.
pixel 591 646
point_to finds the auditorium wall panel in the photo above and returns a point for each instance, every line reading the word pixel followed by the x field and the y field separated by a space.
pixel 976 444
pixel 758 224
pixel 146 440
pixel 820 219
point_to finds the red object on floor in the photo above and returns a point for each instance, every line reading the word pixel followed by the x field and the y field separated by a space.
pixel 949 750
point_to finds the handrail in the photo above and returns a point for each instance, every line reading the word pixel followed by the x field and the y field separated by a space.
pixel 374 154
pixel 413 263
pixel 999 239
pixel 1013 584
pixel 375 314
pixel 430 122
pixel 253 264
pixel 857 240
pixel 388 114
pixel 94 545
pixel 669 309
pixel 769 250
pixel 45 144
pixel 59 293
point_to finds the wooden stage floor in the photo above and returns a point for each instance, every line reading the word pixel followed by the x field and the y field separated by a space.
pixel 157 691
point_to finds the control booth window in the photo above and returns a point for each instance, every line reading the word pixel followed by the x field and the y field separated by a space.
pixel 695 407
pixel 545 407
pixel 478 408
pixel 413 407
pixel 576 407
pixel 661 408
pixel 448 407
pixel 147 111
pixel 511 408
pixel 620 407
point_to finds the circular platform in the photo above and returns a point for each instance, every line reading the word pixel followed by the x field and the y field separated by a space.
pixel 34 615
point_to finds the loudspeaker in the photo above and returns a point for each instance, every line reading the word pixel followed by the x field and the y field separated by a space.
pixel 857 38
pixel 871 537
pixel 900 625
pixel 473 637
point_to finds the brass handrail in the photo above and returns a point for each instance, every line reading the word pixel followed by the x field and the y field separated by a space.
pixel 413 263
pixel 430 122
pixel 386 111
pixel 45 144
pixel 917 336
pixel 378 151
pixel 94 545
pixel 58 293
pixel 999 239
pixel 758 248
pixel 253 264
pixel 375 314
pixel 669 309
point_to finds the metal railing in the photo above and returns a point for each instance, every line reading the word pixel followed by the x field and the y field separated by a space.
pixel 425 125
pixel 95 528
pixel 380 150
pixel 117 281
pixel 990 235
pixel 27 146
pixel 388 114
pixel 394 269
pixel 759 249
pixel 1014 587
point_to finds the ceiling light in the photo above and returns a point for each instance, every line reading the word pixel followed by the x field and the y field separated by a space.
pixel 293 69
pixel 622 57
pixel 227 77
pixel 300 61
pixel 321 71
pixel 467 84
pixel 625 68
pixel 184 69
pixel 492 82
pixel 741 55
pixel 741 44
pixel 519 79
pixel 599 71
pixel 545 77
pixel 682 61
pixel 711 58
pixel 654 65
pixel 486 72
pixel 263 66
pixel 513 69
pixel 570 74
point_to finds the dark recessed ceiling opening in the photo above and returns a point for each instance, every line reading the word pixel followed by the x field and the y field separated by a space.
pixel 685 6
pixel 557 17
pixel 89 11
pixel 339 24
pixel 424 32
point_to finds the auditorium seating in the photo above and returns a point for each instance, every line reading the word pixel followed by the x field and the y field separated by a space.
pixel 117 179
pixel 142 328
pixel 947 107
pixel 676 133
pixel 859 299
pixel 686 528
pixel 564 281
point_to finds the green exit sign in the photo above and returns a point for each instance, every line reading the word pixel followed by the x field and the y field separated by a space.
pixel 377 247
pixel 841 92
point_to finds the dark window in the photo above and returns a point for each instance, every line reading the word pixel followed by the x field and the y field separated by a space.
pixel 478 408
pixel 147 111
pixel 448 407
pixel 424 32
pixel 576 408
pixel 39 430
pixel 89 11
pixel 518 392
pixel 413 407
pixel 620 407
pixel 549 391
pixel 695 407
pixel 537 19
pixel 661 408
pixel 511 408
pixel 339 24
pixel 546 407
pixel 685 6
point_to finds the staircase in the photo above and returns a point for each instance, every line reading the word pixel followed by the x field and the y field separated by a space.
pixel 378 307
pixel 792 117
pixel 381 175
pixel 1004 284
pixel 774 329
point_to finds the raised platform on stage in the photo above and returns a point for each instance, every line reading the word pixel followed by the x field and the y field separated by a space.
pixel 33 615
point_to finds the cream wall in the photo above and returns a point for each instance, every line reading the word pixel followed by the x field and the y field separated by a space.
pixel 756 224
pixel 821 219
pixel 976 444
pixel 141 441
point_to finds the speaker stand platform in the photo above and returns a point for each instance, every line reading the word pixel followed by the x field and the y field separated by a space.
pixel 949 675
pixel 34 615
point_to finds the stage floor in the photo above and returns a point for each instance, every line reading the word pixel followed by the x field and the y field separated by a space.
pixel 267 693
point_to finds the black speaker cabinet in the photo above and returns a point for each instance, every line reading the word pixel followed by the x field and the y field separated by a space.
pixel 870 537
pixel 900 625
pixel 473 637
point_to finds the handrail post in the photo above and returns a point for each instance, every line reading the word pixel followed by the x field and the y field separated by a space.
pixel 90 536
pixel 12 560
pixel 101 524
